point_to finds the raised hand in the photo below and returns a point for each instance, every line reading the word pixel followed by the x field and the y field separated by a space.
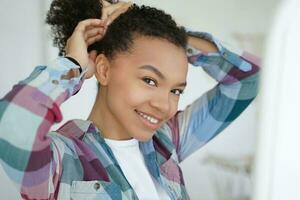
pixel 112 11
pixel 86 33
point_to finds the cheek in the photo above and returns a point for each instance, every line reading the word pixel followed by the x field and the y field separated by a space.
pixel 134 98
pixel 173 108
pixel 126 93
pixel 137 95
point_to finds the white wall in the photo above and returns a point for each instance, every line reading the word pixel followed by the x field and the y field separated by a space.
pixel 277 165
pixel 21 40
pixel 22 47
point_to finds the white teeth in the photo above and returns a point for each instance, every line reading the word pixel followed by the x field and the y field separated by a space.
pixel 150 119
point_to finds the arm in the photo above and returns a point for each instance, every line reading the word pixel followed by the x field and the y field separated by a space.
pixel 27 113
pixel 206 117
pixel 29 156
pixel 202 45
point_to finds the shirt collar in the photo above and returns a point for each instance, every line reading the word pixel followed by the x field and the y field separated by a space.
pixel 78 128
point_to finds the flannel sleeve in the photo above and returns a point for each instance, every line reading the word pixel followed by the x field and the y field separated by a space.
pixel 237 83
pixel 27 112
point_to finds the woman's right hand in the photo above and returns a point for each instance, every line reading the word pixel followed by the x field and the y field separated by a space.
pixel 86 33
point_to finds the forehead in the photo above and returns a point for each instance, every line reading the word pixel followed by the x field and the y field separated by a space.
pixel 157 48
pixel 160 53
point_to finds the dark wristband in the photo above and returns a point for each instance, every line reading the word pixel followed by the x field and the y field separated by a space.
pixel 75 62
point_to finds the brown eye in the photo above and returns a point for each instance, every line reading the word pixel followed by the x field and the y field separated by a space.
pixel 177 92
pixel 150 81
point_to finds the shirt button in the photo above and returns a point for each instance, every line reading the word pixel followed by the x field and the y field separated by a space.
pixel 55 82
pixel 97 186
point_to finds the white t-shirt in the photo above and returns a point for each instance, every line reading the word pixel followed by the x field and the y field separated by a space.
pixel 132 163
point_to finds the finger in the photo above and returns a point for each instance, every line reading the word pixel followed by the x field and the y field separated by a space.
pixel 94 39
pixel 93 22
pixel 93 32
pixel 83 25
pixel 106 3
pixel 110 9
pixel 114 6
pixel 118 12
pixel 106 13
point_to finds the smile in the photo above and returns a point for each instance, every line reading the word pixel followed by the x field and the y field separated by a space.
pixel 149 121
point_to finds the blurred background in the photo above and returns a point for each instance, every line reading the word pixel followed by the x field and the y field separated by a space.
pixel 252 156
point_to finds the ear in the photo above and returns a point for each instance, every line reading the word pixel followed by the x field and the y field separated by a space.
pixel 102 71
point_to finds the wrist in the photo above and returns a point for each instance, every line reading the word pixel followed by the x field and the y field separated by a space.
pixel 202 44
pixel 75 62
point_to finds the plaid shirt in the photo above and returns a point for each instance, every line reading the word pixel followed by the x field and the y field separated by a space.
pixel 74 162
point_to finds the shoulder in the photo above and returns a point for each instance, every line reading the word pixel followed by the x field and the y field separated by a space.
pixel 63 139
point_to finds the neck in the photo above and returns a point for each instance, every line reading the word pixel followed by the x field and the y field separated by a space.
pixel 105 121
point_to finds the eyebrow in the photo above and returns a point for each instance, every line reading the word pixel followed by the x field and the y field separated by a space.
pixel 159 74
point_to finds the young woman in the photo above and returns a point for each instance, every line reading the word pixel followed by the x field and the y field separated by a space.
pixel 132 143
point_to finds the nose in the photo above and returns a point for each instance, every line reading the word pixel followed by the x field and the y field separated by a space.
pixel 161 102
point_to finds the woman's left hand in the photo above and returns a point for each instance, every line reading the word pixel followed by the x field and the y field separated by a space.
pixel 112 11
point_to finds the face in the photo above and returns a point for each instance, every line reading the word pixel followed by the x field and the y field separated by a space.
pixel 144 87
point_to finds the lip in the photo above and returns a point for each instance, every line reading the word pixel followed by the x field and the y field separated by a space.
pixel 147 123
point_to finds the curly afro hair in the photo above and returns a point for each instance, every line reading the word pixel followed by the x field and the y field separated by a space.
pixel 64 15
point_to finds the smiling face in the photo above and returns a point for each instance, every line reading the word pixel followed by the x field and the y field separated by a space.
pixel 141 89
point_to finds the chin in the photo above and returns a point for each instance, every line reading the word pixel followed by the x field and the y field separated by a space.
pixel 144 137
